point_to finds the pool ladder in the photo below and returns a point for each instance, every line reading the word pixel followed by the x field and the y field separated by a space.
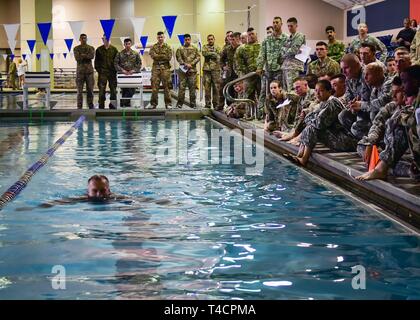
pixel 251 104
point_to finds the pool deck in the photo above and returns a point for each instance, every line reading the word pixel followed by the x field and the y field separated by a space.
pixel 399 197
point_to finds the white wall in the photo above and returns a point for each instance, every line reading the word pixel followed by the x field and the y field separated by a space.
pixel 238 21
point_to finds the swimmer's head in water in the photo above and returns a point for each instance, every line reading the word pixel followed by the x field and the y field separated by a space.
pixel 98 187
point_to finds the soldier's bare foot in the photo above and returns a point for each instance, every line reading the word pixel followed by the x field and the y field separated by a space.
pixel 373 175
pixel 277 134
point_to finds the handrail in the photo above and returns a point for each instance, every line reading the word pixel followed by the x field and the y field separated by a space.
pixel 229 98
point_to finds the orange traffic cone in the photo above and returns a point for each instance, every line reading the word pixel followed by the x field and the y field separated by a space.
pixel 374 158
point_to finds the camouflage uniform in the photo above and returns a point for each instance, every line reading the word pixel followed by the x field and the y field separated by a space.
pixel 104 65
pixel 12 75
pixel 357 43
pixel 322 68
pixel 415 49
pixel 84 73
pixel 128 61
pixel 322 125
pixel 187 55
pixel 275 121
pixel 227 60
pixel 161 72
pixel 358 124
pixel 270 59
pixel 307 104
pixel 292 66
pixel 245 61
pixel 379 97
pixel 336 51
pixel 212 77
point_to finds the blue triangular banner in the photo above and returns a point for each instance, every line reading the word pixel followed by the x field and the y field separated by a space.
pixel 31 45
pixel 69 43
pixel 38 55
pixel 181 39
pixel 12 57
pixel 65 55
pixel 44 29
pixel 24 56
pixel 142 52
pixel 169 22
pixel 107 26
pixel 143 41
pixel 52 56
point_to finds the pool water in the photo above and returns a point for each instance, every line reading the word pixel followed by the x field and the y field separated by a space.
pixel 219 234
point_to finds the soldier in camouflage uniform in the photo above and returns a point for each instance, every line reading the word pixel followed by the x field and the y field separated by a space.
pixel 211 72
pixel 227 65
pixel 415 49
pixel 363 37
pixel 161 53
pixel 402 134
pixel 187 57
pixel 336 49
pixel 245 61
pixel 272 120
pixel 292 66
pixel 322 126
pixel 377 130
pixel 84 54
pixel 324 65
pixel 128 62
pixel 270 60
pixel 104 65
pixel 356 91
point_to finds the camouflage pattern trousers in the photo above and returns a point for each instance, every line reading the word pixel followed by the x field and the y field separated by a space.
pixel 336 140
pixel 358 124
pixel 212 86
pixel 187 80
pixel 103 79
pixel 81 79
pixel 160 74
pixel 289 77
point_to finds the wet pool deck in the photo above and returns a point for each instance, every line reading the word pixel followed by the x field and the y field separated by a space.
pixel 400 197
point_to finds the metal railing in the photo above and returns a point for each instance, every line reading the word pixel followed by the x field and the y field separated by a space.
pixel 251 104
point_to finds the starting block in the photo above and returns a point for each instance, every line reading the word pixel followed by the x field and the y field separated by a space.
pixel 132 81
pixel 37 80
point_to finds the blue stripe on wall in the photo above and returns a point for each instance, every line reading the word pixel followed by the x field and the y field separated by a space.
pixel 381 16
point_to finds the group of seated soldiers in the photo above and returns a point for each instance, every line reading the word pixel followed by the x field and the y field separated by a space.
pixel 367 104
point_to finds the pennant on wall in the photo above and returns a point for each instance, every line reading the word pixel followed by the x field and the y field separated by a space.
pixel 12 45
pixel 142 52
pixel 76 28
pixel 12 57
pixel 31 45
pixel 24 56
pixel 69 43
pixel 65 55
pixel 169 22
pixel 143 41
pixel 138 25
pixel 50 45
pixel 38 56
pixel 5 56
pixel 181 39
pixel 44 30
pixel 107 26
pixel 51 56
pixel 11 30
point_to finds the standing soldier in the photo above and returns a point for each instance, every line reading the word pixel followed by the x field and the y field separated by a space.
pixel 336 49
pixel 270 59
pixel 104 65
pixel 292 66
pixel 84 54
pixel 161 53
pixel 245 61
pixel 227 61
pixel 128 62
pixel 211 71
pixel 187 57
pixel 364 37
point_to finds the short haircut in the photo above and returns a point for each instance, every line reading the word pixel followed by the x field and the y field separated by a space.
pixel 300 79
pixel 397 81
pixel 98 177
pixel 160 33
pixel 402 49
pixel 236 35
pixel 269 27
pixel 329 28
pixel 292 20
pixel 83 35
pixel 250 29
pixel 370 46
pixel 187 35
pixel 389 59
pixel 230 31
pixel 325 84
pixel 350 58
pixel 362 25
pixel 277 18
pixel 278 83
pixel 340 76
pixel 322 43
pixel 210 35
pixel 127 40
pixel 413 72
pixel 376 66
